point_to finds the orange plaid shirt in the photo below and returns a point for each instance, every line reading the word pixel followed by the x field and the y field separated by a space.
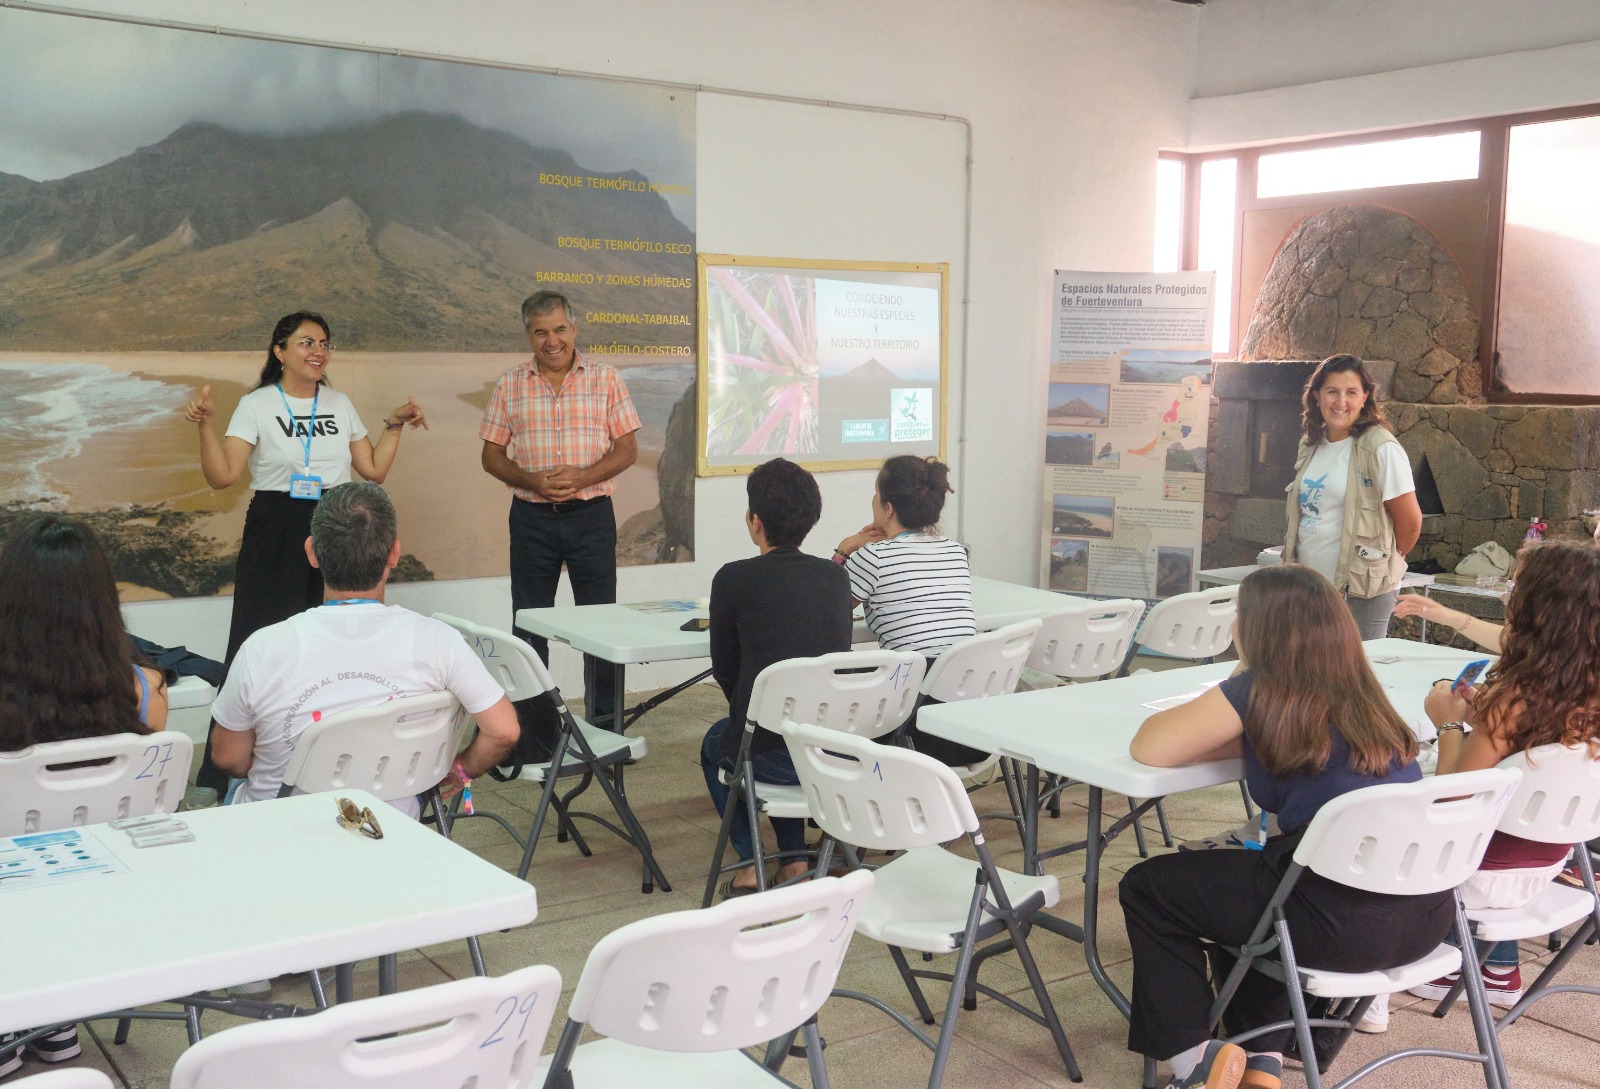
pixel 541 429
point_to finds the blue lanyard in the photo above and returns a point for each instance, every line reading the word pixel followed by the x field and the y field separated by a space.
pixel 311 423
pixel 352 601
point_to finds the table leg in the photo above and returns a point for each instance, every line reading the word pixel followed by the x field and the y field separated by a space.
pixel 619 697
pixel 1030 821
pixel 1093 848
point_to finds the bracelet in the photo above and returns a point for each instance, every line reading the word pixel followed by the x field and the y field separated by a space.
pixel 387 426
pixel 1447 727
pixel 839 557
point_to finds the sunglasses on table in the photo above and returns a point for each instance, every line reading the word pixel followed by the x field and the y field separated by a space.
pixel 359 818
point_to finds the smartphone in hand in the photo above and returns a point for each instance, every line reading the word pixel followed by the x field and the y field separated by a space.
pixel 1469 675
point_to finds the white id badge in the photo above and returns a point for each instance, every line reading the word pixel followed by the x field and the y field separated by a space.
pixel 302 486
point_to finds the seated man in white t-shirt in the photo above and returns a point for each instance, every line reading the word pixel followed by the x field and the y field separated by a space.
pixel 353 651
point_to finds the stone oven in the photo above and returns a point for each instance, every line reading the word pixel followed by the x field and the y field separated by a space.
pixel 1375 283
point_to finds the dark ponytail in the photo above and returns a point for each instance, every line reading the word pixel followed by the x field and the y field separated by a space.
pixel 272 371
pixel 915 487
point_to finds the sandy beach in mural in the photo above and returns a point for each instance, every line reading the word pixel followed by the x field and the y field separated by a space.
pixel 112 434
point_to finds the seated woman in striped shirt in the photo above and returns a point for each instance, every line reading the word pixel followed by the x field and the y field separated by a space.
pixel 914 582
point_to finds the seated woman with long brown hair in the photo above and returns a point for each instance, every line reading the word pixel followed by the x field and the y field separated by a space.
pixel 1311 722
pixel 1544 690
pixel 66 666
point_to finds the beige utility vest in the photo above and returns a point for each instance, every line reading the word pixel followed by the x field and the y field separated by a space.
pixel 1366 524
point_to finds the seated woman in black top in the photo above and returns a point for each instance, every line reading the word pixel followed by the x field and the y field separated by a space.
pixel 1311 723
pixel 777 605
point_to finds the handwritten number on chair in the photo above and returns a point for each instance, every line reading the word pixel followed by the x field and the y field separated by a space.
pixel 525 1007
pixel 877 769
pixel 155 752
pixel 844 920
pixel 484 646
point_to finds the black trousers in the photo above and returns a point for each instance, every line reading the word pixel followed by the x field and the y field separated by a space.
pixel 1176 904
pixel 272 581
pixel 583 537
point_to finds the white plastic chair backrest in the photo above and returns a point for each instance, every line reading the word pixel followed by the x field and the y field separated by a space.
pixel 391 750
pixel 146 773
pixel 1196 625
pixel 987 664
pixel 877 797
pixel 78 1077
pixel 1088 640
pixel 484 1032
pixel 867 694
pixel 1408 839
pixel 511 661
pixel 725 977
pixel 1558 800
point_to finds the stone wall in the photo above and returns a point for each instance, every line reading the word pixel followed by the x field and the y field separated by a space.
pixel 1492 467
pixel 1496 466
pixel 1374 283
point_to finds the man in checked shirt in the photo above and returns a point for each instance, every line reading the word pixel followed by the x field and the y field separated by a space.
pixel 557 430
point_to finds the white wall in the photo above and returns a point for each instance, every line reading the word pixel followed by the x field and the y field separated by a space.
pixel 1068 102
pixel 1297 68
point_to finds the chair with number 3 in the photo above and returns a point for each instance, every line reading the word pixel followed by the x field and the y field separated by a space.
pixel 485 1032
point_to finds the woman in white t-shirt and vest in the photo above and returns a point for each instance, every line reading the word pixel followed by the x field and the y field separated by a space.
pixel 914 582
pixel 299 438
pixel 1352 506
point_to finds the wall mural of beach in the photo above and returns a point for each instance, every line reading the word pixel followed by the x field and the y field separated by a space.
pixel 166 195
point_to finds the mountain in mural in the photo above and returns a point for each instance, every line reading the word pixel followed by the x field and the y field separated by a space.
pixel 413 232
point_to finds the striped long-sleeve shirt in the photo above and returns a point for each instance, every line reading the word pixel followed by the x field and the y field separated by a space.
pixel 917 589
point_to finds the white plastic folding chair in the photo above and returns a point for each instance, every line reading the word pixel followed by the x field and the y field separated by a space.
pixel 581 750
pixel 1087 641
pixel 867 694
pixel 1197 626
pixel 94 780
pixel 481 1032
pixel 986 664
pixel 927 900
pixel 132 775
pixel 1083 642
pixel 77 1077
pixel 397 749
pixel 1558 801
pixel 1403 839
pixel 678 996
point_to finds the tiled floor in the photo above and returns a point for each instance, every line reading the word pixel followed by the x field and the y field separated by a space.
pixel 581 899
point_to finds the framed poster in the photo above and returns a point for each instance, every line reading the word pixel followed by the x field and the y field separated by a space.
pixel 831 364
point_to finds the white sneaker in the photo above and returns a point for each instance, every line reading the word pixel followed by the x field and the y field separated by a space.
pixel 1376 1019
pixel 251 989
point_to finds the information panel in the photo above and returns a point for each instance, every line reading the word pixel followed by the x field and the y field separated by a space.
pixel 1125 433
pixel 835 365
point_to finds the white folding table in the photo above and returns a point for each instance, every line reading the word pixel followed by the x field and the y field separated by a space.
pixel 265 889
pixel 1082 732
pixel 623 635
